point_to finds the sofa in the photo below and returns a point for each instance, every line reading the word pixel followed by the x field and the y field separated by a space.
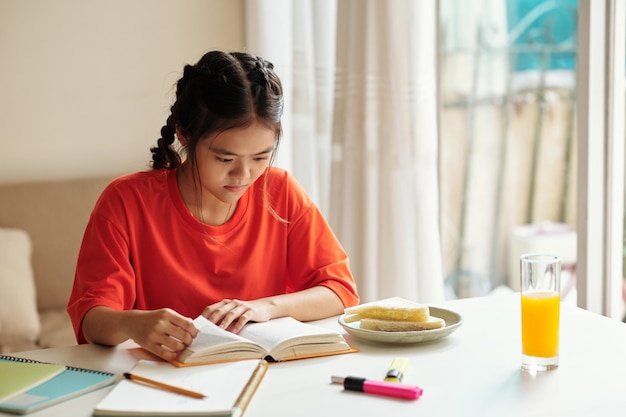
pixel 41 228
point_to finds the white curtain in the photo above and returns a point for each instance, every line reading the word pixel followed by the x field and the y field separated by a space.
pixel 384 200
pixel 299 38
pixel 378 104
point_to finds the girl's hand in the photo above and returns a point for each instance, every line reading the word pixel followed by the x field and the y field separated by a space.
pixel 232 315
pixel 163 332
pixel 311 304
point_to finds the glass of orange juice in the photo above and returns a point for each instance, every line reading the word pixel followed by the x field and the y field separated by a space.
pixel 540 283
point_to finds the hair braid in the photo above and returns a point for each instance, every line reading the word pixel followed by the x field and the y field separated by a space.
pixel 164 156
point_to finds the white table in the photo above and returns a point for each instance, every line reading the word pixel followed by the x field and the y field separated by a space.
pixel 473 372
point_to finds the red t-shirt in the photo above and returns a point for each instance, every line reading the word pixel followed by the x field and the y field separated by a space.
pixel 142 249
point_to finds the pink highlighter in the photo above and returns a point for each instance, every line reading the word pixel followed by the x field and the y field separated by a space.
pixel 388 389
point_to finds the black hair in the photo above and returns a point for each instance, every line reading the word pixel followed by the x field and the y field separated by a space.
pixel 222 91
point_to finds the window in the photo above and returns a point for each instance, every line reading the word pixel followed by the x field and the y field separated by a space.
pixel 511 158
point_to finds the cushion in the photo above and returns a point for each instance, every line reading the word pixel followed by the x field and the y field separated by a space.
pixel 19 318
pixel 56 329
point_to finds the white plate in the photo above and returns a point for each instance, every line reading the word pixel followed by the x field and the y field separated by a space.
pixel 453 321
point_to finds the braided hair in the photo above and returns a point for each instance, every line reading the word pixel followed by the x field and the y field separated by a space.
pixel 222 91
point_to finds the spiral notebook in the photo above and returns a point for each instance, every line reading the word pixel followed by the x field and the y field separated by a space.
pixel 18 377
pixel 69 384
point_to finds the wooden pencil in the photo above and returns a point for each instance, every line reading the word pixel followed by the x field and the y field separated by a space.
pixel 163 386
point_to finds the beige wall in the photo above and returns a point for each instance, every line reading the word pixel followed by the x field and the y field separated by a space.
pixel 85 85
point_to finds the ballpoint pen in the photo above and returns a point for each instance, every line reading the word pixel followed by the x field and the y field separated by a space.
pixel 369 386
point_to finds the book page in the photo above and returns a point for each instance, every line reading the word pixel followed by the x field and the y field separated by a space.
pixel 286 336
pixel 217 343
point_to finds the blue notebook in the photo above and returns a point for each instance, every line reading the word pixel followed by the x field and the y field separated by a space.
pixel 67 385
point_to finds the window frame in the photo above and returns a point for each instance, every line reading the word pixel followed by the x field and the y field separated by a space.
pixel 600 205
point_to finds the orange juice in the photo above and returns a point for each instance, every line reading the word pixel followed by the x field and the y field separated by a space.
pixel 540 324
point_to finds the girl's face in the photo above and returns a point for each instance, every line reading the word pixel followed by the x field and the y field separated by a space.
pixel 230 161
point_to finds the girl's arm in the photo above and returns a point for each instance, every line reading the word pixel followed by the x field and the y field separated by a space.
pixel 310 304
pixel 163 332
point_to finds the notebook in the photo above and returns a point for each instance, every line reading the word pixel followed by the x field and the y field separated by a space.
pixel 68 384
pixel 17 377
pixel 228 387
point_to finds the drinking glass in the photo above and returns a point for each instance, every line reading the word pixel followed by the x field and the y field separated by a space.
pixel 540 283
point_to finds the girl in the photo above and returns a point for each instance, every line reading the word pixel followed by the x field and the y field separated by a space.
pixel 217 231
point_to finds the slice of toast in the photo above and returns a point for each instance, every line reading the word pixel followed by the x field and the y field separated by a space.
pixel 394 308
pixel 401 326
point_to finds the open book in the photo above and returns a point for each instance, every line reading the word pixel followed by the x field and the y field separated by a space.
pixel 276 340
